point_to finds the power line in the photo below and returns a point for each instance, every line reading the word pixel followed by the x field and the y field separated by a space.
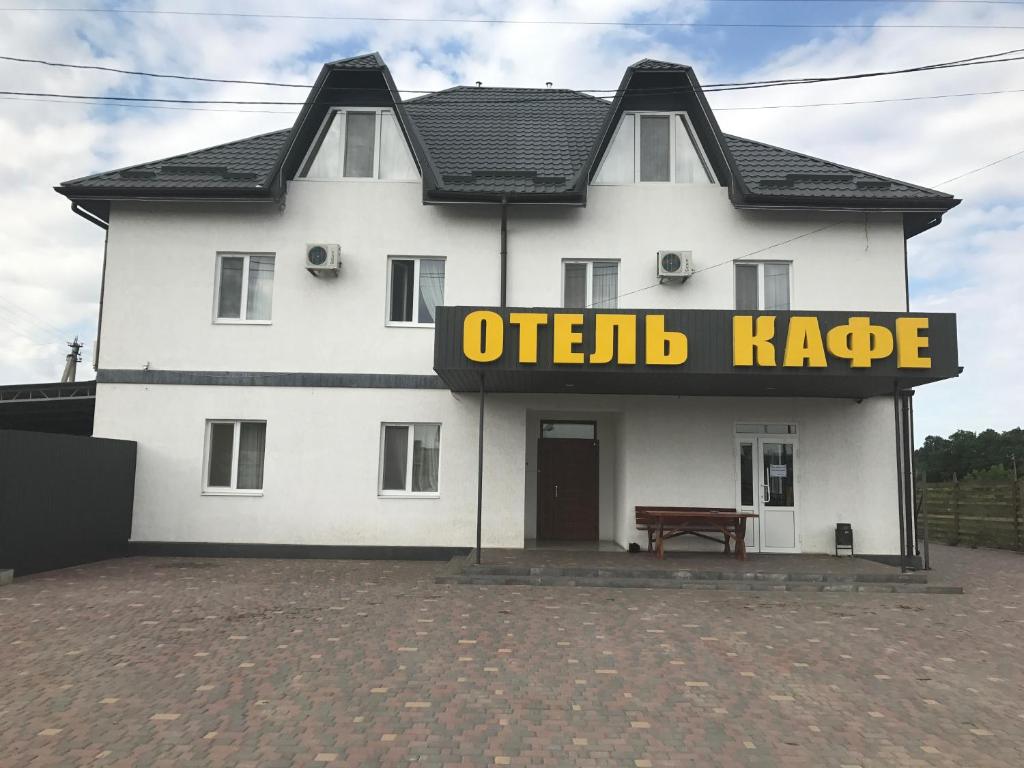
pixel 439 99
pixel 869 101
pixel 292 112
pixel 988 58
pixel 151 106
pixel 517 22
pixel 981 168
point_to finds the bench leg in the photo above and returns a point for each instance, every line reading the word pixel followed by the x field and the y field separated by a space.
pixel 741 535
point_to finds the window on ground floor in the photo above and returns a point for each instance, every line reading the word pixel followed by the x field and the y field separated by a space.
pixel 409 459
pixel 234 455
pixel 245 287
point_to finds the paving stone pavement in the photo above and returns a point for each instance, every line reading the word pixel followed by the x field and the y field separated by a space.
pixel 187 662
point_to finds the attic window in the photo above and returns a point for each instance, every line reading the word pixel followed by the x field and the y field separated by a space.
pixel 360 144
pixel 659 147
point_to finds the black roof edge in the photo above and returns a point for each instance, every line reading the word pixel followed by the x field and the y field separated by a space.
pixel 706 115
pixel 420 156
pixel 571 198
pixel 894 204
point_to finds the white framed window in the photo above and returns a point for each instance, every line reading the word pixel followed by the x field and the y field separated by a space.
pixel 655 147
pixel 244 288
pixel 415 289
pixel 763 285
pixel 590 284
pixel 410 455
pixel 234 456
pixel 359 143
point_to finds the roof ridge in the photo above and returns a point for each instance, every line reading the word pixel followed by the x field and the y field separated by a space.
pixel 890 179
pixel 163 160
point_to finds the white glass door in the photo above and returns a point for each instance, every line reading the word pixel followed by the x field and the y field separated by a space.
pixel 748 488
pixel 766 486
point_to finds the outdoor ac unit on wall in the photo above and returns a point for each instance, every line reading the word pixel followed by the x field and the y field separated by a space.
pixel 323 258
pixel 674 266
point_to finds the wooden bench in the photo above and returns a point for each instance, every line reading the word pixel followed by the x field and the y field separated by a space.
pixel 663 523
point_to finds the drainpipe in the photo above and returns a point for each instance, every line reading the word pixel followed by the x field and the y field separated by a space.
pixel 480 472
pixel 504 251
pixel 899 474
pixel 908 474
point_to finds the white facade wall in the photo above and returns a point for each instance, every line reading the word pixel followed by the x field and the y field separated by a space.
pixel 323 444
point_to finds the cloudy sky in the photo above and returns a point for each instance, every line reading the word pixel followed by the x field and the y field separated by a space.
pixel 50 259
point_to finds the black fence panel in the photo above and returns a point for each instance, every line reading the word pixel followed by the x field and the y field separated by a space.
pixel 64 499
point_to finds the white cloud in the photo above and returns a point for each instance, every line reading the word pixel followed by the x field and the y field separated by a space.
pixel 50 260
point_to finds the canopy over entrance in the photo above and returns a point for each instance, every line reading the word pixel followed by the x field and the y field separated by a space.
pixel 692 352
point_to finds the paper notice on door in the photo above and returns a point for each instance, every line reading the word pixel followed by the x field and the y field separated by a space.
pixel 777 470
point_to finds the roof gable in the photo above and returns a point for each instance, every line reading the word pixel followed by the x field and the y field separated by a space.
pixel 659 86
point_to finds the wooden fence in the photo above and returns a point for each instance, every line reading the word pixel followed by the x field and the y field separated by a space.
pixel 984 513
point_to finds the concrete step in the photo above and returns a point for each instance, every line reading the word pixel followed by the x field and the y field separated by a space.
pixel 666 574
pixel 737 585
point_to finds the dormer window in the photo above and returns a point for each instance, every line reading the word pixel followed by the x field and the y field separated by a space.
pixel 360 144
pixel 654 147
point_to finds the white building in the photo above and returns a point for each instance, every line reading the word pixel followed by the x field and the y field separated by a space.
pixel 279 405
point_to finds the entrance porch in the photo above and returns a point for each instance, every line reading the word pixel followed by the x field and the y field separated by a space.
pixel 597 565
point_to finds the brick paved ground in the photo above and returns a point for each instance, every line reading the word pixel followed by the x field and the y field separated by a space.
pixel 164 662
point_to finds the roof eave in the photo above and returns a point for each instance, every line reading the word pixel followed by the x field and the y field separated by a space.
pixel 800 202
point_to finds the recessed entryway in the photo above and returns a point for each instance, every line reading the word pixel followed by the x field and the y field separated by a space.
pixel 568 478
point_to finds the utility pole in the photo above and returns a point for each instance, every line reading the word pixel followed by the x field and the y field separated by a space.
pixel 71 362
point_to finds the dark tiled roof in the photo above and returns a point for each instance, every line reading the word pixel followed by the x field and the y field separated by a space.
pixel 238 165
pixel 515 140
pixel 495 141
pixel 771 171
pixel 653 65
pixel 366 61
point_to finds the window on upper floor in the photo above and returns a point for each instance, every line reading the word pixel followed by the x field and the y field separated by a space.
pixel 654 147
pixel 244 287
pixel 234 456
pixel 360 144
pixel 409 459
pixel 590 284
pixel 415 289
pixel 763 285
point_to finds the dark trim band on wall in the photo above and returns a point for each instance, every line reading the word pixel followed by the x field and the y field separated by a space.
pixel 292 551
pixel 271 379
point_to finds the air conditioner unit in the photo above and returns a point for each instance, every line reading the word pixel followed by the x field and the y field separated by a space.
pixel 323 258
pixel 674 266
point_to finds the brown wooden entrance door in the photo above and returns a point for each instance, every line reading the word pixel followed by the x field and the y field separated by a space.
pixel 567 498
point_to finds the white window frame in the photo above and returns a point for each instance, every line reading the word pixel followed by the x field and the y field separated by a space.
pixel 688 124
pixel 416 287
pixel 589 301
pixel 377 127
pixel 219 490
pixel 407 493
pixel 244 303
pixel 760 283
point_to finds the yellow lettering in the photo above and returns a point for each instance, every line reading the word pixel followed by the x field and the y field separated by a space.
pixel 529 323
pixel 860 342
pixel 746 341
pixel 804 346
pixel 606 327
pixel 910 342
pixel 664 347
pixel 482 336
pixel 566 337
